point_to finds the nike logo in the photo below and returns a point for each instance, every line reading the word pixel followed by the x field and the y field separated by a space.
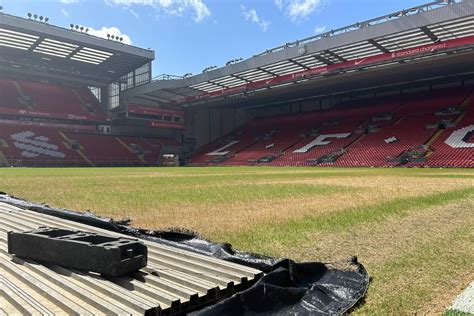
pixel 358 62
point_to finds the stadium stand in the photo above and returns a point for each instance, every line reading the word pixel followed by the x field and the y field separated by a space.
pixel 47 100
pixel 54 140
pixel 48 105
pixel 45 146
pixel 409 130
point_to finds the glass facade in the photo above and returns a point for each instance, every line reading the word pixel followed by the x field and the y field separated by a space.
pixel 138 77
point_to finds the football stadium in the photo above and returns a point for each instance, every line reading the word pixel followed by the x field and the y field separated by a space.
pixel 329 175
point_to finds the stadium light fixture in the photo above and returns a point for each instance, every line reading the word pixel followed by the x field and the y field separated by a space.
pixel 35 16
pixel 76 27
pixel 29 15
pixel 82 29
pixel 41 18
pixel 233 61
pixel 209 68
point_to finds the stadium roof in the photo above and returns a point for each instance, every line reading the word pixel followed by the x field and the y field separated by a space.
pixel 31 46
pixel 419 32
pixel 175 281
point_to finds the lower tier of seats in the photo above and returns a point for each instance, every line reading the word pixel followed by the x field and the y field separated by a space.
pixel 421 130
pixel 44 146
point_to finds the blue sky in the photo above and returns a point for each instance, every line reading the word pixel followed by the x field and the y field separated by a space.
pixel 189 35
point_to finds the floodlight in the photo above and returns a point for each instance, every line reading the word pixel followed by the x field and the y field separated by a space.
pixel 29 15
pixel 82 28
pixel 77 27
pixel 35 16
pixel 41 18
pixel 113 37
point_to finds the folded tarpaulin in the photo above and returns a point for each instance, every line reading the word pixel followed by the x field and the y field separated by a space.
pixel 287 288
pixel 299 289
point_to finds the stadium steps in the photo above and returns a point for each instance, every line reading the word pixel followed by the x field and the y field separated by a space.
pixel 67 143
pixel 82 102
pixel 248 146
pixel 463 107
pixel 142 159
pixel 467 101
pixel 430 142
pixel 358 139
pixel 401 118
pixel 3 160
pixel 19 89
pixel 432 139
pixel 3 143
pixel 459 118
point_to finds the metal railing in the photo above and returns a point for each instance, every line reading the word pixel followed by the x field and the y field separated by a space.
pixel 167 77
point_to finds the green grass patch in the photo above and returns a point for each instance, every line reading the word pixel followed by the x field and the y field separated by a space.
pixel 274 210
pixel 456 313
pixel 292 231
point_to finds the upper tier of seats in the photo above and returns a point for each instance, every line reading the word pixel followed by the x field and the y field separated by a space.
pixel 46 146
pixel 424 129
pixel 20 97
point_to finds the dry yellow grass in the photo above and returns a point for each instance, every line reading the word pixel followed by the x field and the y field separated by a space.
pixel 412 228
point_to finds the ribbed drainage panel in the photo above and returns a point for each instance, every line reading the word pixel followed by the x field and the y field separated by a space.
pixel 175 280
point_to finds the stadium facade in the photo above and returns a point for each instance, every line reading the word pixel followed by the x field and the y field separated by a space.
pixel 394 90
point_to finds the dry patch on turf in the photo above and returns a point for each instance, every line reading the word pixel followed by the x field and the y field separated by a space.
pixel 412 228
pixel 423 257
pixel 446 293
pixel 375 243
pixel 216 203
pixel 215 220
pixel 403 285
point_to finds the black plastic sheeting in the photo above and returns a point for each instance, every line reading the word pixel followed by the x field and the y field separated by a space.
pixel 287 288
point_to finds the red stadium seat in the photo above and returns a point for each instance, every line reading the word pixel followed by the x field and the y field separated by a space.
pixel 342 132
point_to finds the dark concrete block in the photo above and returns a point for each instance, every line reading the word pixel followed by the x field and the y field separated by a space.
pixel 109 256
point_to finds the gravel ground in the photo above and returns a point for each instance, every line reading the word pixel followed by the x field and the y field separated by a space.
pixel 465 301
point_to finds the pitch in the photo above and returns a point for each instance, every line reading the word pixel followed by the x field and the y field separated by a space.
pixel 413 229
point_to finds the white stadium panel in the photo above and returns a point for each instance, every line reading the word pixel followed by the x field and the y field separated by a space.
pixel 15 39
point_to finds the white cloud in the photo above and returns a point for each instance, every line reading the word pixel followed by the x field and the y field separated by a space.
pixel 252 16
pixel 173 7
pixel 65 12
pixel 319 29
pixel 298 10
pixel 279 4
pixel 68 1
pixel 115 31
